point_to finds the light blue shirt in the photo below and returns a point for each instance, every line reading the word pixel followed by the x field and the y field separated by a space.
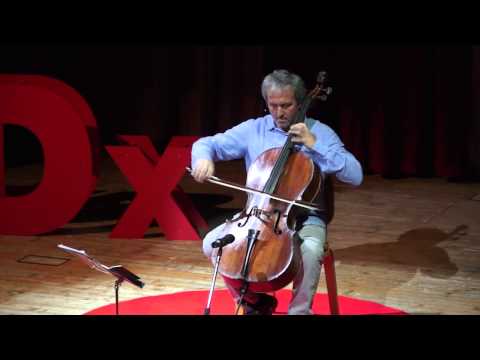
pixel 252 137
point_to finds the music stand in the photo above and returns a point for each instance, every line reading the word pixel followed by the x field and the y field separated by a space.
pixel 118 271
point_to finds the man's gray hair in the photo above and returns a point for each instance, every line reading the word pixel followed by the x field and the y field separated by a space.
pixel 280 79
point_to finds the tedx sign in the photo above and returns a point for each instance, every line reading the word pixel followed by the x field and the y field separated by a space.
pixel 65 126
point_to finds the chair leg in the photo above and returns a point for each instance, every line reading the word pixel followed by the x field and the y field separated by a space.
pixel 329 265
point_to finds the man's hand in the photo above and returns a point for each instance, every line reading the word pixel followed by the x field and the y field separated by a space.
pixel 302 135
pixel 203 169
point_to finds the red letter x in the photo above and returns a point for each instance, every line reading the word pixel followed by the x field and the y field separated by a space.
pixel 155 178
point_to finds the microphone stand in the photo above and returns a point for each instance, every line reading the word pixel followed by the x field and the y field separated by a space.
pixel 217 262
pixel 219 243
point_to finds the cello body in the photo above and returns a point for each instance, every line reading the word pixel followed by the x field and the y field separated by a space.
pixel 262 232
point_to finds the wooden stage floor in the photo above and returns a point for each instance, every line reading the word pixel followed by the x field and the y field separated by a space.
pixel 412 244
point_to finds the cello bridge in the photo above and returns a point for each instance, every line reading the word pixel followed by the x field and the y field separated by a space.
pixel 258 213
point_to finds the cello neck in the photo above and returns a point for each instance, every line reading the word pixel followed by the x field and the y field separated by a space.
pixel 287 149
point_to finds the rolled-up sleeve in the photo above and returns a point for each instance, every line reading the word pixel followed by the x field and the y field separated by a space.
pixel 230 145
pixel 330 155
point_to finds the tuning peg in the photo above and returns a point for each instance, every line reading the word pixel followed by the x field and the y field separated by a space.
pixel 321 76
pixel 327 92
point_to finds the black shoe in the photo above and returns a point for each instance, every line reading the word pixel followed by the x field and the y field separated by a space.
pixel 265 305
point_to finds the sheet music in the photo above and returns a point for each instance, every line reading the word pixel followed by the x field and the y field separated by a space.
pixel 117 270
pixel 72 250
pixel 86 258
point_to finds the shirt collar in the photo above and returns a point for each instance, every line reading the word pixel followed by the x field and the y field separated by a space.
pixel 271 125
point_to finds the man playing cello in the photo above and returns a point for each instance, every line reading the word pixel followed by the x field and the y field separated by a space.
pixel 283 92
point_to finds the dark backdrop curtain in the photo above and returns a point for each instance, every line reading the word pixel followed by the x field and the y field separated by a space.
pixel 403 110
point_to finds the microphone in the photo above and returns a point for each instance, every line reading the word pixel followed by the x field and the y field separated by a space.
pixel 227 239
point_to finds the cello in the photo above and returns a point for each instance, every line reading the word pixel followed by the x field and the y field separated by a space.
pixel 264 255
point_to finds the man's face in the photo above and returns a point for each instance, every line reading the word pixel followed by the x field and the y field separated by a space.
pixel 283 106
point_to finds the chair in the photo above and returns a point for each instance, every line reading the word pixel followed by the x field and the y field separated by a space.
pixel 331 280
pixel 329 258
